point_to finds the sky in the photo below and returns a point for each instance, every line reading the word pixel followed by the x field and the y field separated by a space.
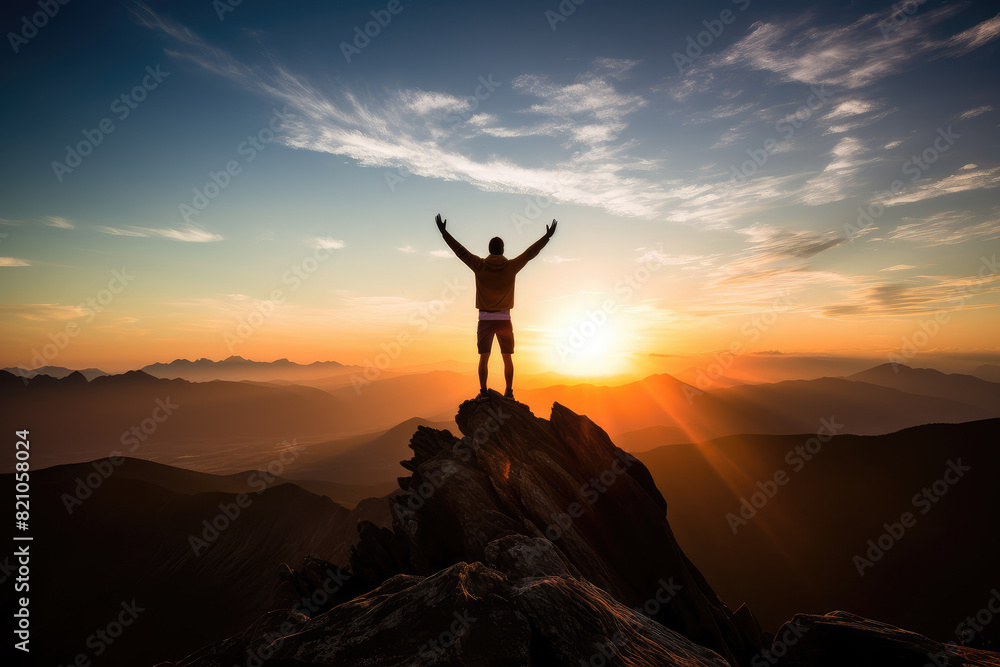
pixel 201 179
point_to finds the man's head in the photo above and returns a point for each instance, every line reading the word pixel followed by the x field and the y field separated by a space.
pixel 496 246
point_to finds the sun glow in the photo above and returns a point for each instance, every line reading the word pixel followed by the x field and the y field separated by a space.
pixel 594 345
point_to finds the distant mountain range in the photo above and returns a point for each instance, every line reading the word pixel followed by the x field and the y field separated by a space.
pixel 54 371
pixel 236 423
pixel 989 372
pixel 794 406
pixel 238 368
pixel 225 426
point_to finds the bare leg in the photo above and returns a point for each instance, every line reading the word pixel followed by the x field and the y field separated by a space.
pixel 508 371
pixel 483 370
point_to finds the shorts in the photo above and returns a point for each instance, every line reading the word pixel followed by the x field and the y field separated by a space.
pixel 504 331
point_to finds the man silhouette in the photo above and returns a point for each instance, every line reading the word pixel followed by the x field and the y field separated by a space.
pixel 494 298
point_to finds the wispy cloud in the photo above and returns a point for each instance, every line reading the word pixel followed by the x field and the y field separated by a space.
pixel 406 129
pixel 839 179
pixel 13 261
pixel 849 56
pixel 899 267
pixel 975 113
pixel 408 249
pixel 441 254
pixel 556 259
pixel 969 177
pixel 43 312
pixel 974 37
pixel 188 233
pixel 922 294
pixel 855 113
pixel 775 250
pixel 327 242
pixel 56 221
pixel 947 228
pixel 658 257
pixel 117 231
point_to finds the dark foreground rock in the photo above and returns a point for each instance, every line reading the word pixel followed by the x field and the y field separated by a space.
pixel 533 542
pixel 840 638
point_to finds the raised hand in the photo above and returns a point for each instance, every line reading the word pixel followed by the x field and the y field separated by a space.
pixel 550 229
pixel 440 223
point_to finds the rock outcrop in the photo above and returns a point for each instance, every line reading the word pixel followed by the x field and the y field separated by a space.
pixel 533 542
pixel 840 638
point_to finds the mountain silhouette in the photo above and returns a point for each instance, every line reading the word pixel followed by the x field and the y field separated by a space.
pixel 539 542
pixel 794 552
pixel 177 419
pixel 137 530
pixel 966 389
pixel 236 367
pixel 989 372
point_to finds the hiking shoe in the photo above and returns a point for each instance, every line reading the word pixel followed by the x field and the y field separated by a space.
pixel 509 394
pixel 483 396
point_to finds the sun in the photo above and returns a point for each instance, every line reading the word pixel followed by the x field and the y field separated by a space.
pixel 594 344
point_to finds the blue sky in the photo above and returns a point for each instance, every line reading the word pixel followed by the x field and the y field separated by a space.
pixel 736 168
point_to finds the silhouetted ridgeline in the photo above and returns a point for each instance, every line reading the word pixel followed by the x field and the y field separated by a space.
pixel 538 542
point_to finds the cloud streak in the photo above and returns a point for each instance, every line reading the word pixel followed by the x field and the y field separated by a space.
pixel 408 128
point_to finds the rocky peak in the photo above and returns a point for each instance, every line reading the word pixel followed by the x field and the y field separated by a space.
pixel 529 541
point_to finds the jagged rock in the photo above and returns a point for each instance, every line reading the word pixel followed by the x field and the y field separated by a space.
pixel 379 554
pixel 473 615
pixel 840 638
pixel 538 542
pixel 251 646
pixel 563 480
pixel 544 528
pixel 319 585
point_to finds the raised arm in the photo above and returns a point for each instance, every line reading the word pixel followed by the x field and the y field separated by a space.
pixel 534 248
pixel 472 261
